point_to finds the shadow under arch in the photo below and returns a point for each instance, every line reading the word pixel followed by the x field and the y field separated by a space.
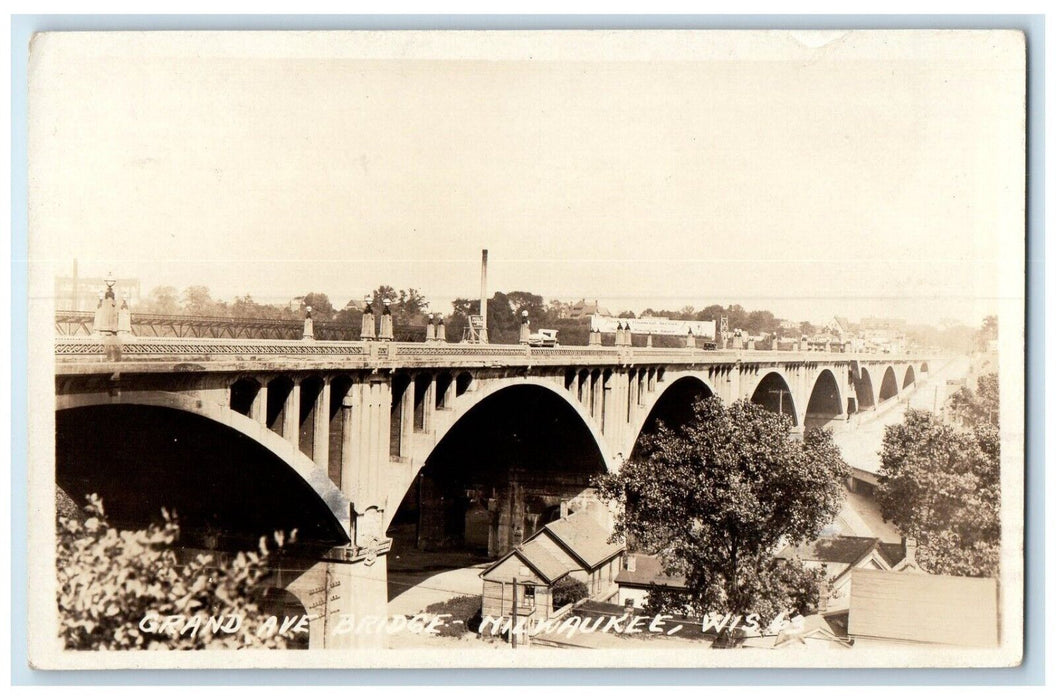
pixel 673 407
pixel 774 394
pixel 511 457
pixel 910 377
pixel 863 390
pixel 825 403
pixel 889 385
pixel 229 480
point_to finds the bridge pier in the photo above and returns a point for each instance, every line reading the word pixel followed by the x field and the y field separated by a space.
pixel 321 426
pixel 291 415
pixel 339 597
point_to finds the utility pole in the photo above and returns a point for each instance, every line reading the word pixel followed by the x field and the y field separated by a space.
pixel 780 399
pixel 513 617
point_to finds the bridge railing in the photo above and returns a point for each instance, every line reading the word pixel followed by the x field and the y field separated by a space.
pixel 143 349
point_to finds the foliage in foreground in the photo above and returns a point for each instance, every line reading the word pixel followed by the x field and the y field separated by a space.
pixel 464 611
pixel 941 484
pixel 718 496
pixel 110 581
pixel 568 590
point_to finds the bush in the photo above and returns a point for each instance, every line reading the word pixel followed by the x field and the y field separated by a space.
pixel 116 587
pixel 568 590
pixel 465 615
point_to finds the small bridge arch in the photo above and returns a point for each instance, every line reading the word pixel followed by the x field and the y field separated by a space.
pixel 910 377
pixel 673 406
pixel 888 385
pixel 774 392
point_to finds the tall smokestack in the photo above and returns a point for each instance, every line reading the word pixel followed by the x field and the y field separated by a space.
pixel 484 295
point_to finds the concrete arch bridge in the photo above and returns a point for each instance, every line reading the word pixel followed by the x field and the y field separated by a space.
pixel 453 446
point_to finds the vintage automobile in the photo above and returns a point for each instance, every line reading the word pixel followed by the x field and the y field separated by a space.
pixel 543 338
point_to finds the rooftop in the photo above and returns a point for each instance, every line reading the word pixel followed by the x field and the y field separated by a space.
pixel 583 536
pixel 648 571
pixel 925 608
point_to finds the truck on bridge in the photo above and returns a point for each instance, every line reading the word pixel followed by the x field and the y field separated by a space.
pixel 543 338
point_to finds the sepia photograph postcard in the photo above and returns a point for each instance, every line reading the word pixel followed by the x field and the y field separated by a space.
pixel 504 349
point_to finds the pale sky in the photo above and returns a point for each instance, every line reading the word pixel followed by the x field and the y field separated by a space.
pixel 862 174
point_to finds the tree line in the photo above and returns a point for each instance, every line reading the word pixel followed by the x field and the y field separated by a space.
pixel 410 309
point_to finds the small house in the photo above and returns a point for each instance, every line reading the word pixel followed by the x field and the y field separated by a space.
pixel 574 547
pixel 840 555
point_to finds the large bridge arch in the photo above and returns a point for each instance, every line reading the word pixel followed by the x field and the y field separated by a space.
pixel 673 406
pixel 826 402
pixel 248 476
pixel 500 464
pixel 467 401
pixel 774 392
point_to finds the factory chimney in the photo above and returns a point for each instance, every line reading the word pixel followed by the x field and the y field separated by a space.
pixel 483 337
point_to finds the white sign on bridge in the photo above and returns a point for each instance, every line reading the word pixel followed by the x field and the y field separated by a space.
pixel 656 326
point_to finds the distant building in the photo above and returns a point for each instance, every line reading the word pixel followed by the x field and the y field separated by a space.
pixel 871 323
pixel 77 293
pixel 586 309
pixel 575 546
pixel 841 555
pixel 843 327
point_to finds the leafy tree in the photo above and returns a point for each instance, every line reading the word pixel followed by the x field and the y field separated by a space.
pixel 626 314
pixel 986 333
pixel 110 582
pixel 716 497
pixel 526 301
pixel 503 315
pixel 568 590
pixel 406 305
pixel 197 301
pixel 941 485
pixel 163 300
pixel 322 309
pixel 759 322
pixel 979 407
pixel 464 612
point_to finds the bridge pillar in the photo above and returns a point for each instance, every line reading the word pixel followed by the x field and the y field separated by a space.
pixel 258 410
pixel 291 415
pixel 429 405
pixel 449 393
pixel 406 419
pixel 321 435
pixel 733 382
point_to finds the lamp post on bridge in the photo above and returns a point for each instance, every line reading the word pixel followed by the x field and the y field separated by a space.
pixel 367 327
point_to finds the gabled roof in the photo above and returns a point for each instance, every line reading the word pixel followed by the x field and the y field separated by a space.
pixel 958 610
pixel 841 549
pixel 892 552
pixel 583 537
pixel 844 549
pixel 536 558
